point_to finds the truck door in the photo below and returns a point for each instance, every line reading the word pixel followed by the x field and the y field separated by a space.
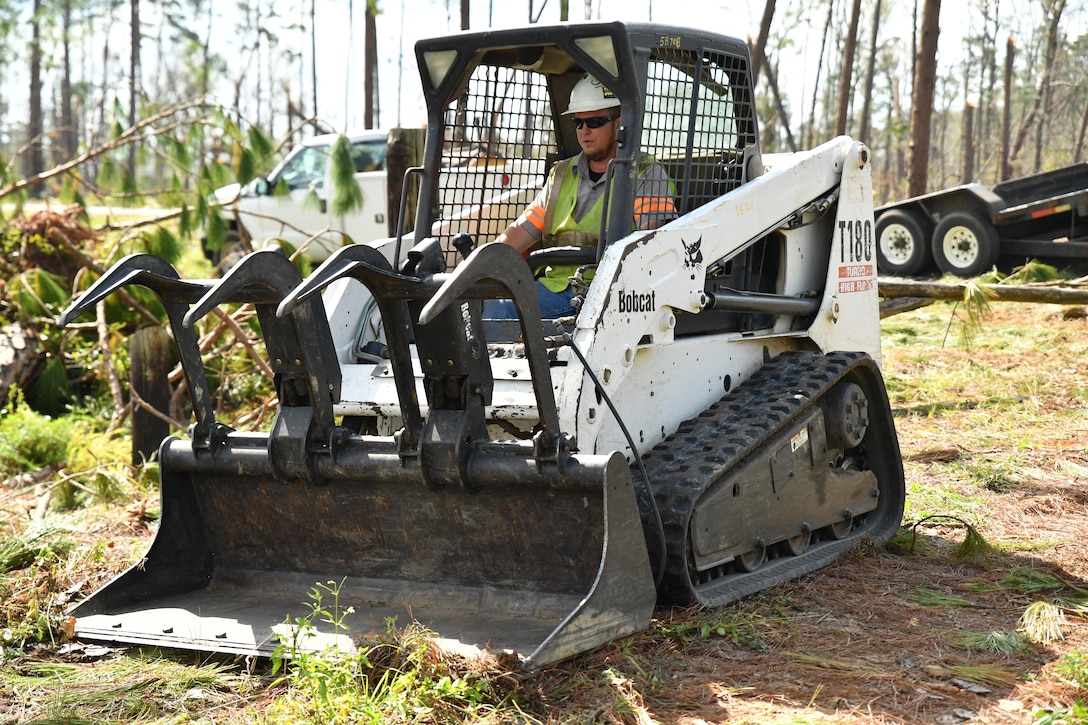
pixel 368 223
pixel 300 212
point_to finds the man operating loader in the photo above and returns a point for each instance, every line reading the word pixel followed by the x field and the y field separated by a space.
pixel 568 209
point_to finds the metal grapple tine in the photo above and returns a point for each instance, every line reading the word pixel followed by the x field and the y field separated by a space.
pixel 153 272
pixel 300 347
pixel 503 265
pixel 369 266
pixel 339 264
pixel 176 295
pixel 249 281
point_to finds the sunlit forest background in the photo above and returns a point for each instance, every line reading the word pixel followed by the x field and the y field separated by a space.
pixel 1005 97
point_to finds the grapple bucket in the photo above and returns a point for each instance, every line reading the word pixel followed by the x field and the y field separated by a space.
pixel 515 547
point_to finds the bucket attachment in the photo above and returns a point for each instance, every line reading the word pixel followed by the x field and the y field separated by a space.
pixel 518 547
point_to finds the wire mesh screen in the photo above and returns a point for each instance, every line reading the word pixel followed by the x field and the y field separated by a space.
pixel 697 122
pixel 498 135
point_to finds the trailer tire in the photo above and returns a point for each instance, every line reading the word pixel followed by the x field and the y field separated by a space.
pixel 965 244
pixel 902 247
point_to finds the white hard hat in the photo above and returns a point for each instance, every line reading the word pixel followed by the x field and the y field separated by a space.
pixel 589 94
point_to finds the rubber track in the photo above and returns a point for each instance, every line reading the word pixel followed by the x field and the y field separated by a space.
pixel 706 448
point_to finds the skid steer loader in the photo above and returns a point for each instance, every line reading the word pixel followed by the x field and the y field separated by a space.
pixel 713 421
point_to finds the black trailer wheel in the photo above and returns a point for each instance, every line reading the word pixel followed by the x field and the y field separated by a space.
pixel 902 247
pixel 965 244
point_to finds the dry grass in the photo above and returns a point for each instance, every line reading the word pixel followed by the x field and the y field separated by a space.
pixel 994 438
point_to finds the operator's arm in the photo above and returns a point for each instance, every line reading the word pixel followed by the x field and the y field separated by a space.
pixel 528 229
pixel 517 237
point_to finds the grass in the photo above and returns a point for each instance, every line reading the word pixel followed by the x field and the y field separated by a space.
pixel 142 687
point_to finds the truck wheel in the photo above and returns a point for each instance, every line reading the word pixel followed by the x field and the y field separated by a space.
pixel 901 243
pixel 234 248
pixel 964 244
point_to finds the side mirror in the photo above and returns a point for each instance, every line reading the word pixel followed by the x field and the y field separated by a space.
pixel 261 186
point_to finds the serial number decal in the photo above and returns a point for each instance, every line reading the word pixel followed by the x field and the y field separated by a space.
pixel 799 439
pixel 855 241
pixel 668 41
pixel 638 301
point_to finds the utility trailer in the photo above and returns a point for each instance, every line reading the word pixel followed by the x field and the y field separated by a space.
pixel 713 420
pixel 965 230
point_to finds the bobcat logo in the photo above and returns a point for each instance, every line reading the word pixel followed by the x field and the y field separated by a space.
pixel 694 254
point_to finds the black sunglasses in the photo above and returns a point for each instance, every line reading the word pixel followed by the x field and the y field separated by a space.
pixel 593 121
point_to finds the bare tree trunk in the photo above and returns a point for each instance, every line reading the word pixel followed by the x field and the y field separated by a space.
pixel 772 80
pixel 1042 90
pixel 1080 135
pixel 36 123
pixel 968 144
pixel 900 151
pixel 149 354
pixel 1056 10
pixel 987 83
pixel 819 67
pixel 464 13
pixel 1006 111
pixel 370 67
pixel 21 358
pixel 760 46
pixel 847 75
pixel 864 125
pixel 133 79
pixel 921 113
pixel 313 57
pixel 100 131
pixel 67 135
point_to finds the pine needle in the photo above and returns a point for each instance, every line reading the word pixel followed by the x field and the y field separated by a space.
pixel 1024 580
pixel 1042 623
pixel 1005 643
pixel 974 546
pixel 932 598
pixel 976 305
pixel 20 551
pixel 989 674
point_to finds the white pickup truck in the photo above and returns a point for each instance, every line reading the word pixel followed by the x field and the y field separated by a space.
pixel 259 213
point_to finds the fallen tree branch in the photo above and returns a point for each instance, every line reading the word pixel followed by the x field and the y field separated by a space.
pixel 996 292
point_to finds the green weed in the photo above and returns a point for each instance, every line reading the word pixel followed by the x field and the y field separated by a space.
pixel 1073 668
pixel 1077 714
pixel 401 678
pixel 28 614
pixel 31 441
pixel 717 624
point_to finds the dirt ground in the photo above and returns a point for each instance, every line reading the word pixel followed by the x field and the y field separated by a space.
pixel 994 436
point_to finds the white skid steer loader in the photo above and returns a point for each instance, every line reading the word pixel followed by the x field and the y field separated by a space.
pixel 711 422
